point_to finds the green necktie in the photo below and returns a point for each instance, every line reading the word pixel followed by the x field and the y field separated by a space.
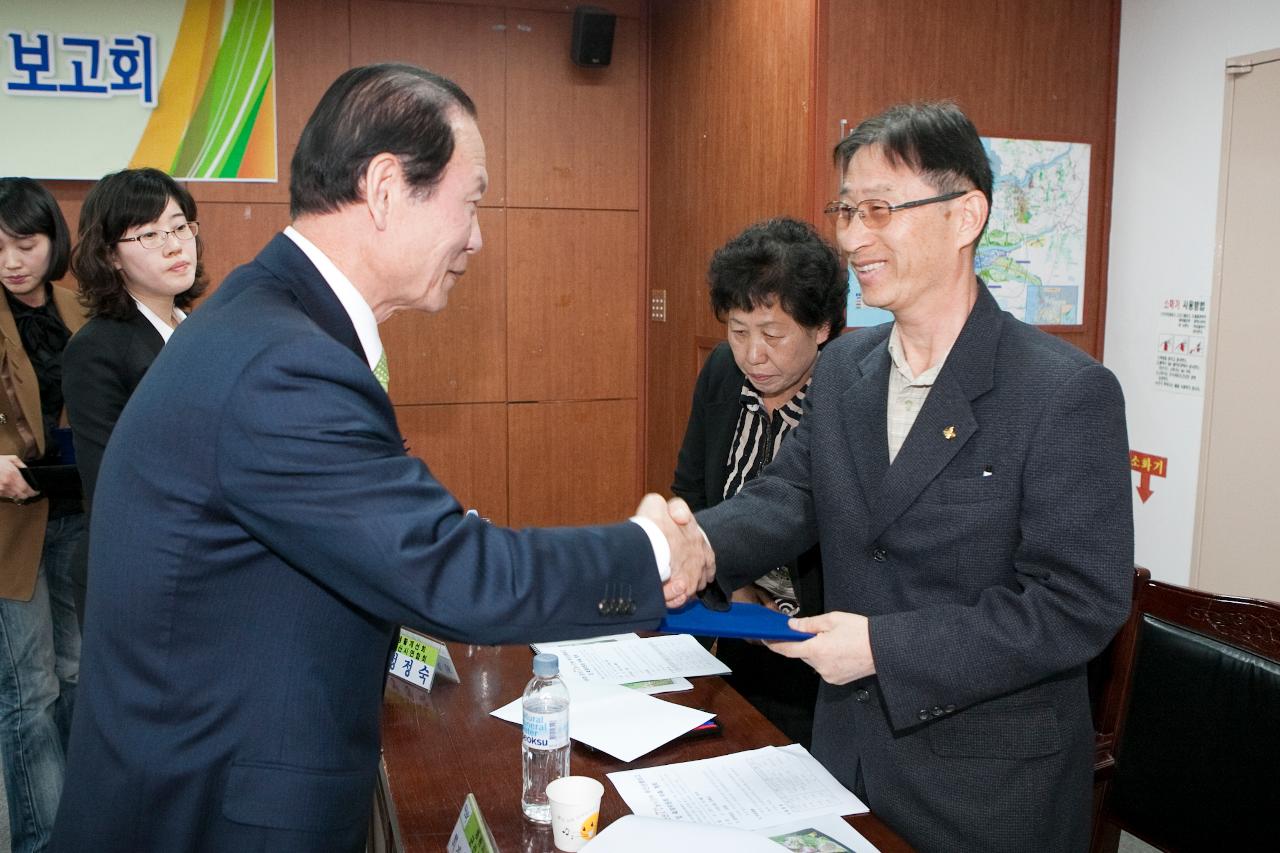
pixel 380 372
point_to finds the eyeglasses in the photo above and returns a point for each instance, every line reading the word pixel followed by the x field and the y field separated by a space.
pixel 875 212
pixel 156 239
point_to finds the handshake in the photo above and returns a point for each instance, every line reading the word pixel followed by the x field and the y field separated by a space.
pixel 693 563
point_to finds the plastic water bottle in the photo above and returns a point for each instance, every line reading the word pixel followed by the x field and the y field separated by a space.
pixel 546 736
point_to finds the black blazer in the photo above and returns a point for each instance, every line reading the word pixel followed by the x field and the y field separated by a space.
pixel 701 470
pixel 993 558
pixel 103 363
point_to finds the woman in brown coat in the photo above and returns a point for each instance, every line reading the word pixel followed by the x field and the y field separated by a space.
pixel 39 637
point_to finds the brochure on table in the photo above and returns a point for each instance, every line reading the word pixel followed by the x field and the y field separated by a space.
pixel 636 834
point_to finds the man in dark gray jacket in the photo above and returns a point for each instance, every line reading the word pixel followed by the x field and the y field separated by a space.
pixel 966 476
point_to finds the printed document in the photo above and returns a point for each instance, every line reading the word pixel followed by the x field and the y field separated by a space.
pixel 639 659
pixel 755 789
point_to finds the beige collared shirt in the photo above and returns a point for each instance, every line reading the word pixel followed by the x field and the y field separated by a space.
pixel 907 392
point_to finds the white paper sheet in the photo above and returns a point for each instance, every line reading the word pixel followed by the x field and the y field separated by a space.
pixel 754 789
pixel 554 648
pixel 651 686
pixel 639 659
pixel 622 722
pixel 635 834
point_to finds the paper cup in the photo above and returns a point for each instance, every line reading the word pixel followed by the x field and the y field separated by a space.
pixel 575 810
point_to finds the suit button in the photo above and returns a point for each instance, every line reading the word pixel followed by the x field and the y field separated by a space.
pixel 862 694
pixel 950 709
pixel 925 715
pixel 938 712
pixel 878 554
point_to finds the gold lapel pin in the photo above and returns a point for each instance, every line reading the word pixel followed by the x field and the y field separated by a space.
pixel 949 433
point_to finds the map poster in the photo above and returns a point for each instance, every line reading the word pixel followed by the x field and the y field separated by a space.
pixel 1181 330
pixel 1033 254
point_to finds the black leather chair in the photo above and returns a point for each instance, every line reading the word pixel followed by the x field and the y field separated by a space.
pixel 1189 724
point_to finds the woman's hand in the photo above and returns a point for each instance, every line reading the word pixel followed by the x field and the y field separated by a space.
pixel 12 487
pixel 752 594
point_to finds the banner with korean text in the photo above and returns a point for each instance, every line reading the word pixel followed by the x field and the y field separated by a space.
pixel 88 88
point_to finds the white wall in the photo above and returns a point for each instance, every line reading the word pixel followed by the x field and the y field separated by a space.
pixel 1163 220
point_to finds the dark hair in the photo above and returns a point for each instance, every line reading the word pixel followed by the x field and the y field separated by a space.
pixel 27 208
pixel 399 109
pixel 781 261
pixel 116 203
pixel 934 139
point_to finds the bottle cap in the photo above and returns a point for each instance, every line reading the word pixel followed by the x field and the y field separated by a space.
pixel 546 665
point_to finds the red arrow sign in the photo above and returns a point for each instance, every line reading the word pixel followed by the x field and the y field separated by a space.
pixel 1146 464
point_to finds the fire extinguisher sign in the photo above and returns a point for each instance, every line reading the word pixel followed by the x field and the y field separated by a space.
pixel 1147 465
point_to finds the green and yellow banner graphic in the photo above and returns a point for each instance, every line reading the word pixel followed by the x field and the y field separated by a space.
pixel 87 88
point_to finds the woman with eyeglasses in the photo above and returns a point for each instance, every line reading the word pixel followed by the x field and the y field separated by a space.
pixel 39 528
pixel 138 264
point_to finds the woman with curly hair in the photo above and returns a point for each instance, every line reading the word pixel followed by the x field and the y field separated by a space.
pixel 138 264
pixel 780 289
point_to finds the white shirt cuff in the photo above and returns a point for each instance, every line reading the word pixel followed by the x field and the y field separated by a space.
pixel 661 550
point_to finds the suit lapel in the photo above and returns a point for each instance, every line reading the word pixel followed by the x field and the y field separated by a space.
pixel 24 388
pixel 147 335
pixel 863 407
pixel 946 421
pixel 69 308
pixel 926 451
pixel 286 261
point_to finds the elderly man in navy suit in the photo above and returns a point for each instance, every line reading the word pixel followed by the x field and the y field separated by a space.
pixel 259 530
pixel 966 476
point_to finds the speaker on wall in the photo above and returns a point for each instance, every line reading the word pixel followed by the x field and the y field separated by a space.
pixel 592 36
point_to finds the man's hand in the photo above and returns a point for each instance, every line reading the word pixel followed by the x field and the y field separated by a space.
pixel 841 651
pixel 693 563
pixel 12 486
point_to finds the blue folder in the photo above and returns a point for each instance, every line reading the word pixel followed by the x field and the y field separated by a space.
pixel 744 621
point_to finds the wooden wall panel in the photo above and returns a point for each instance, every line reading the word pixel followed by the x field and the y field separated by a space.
pixel 233 233
pixel 576 271
pixel 572 463
pixel 1029 70
pixel 571 304
pixel 460 354
pixel 626 8
pixel 573 134
pixel 730 118
pixel 70 197
pixel 465 447
pixel 467 45
pixel 312 49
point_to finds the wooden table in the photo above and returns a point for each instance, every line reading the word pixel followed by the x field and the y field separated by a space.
pixel 440 746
